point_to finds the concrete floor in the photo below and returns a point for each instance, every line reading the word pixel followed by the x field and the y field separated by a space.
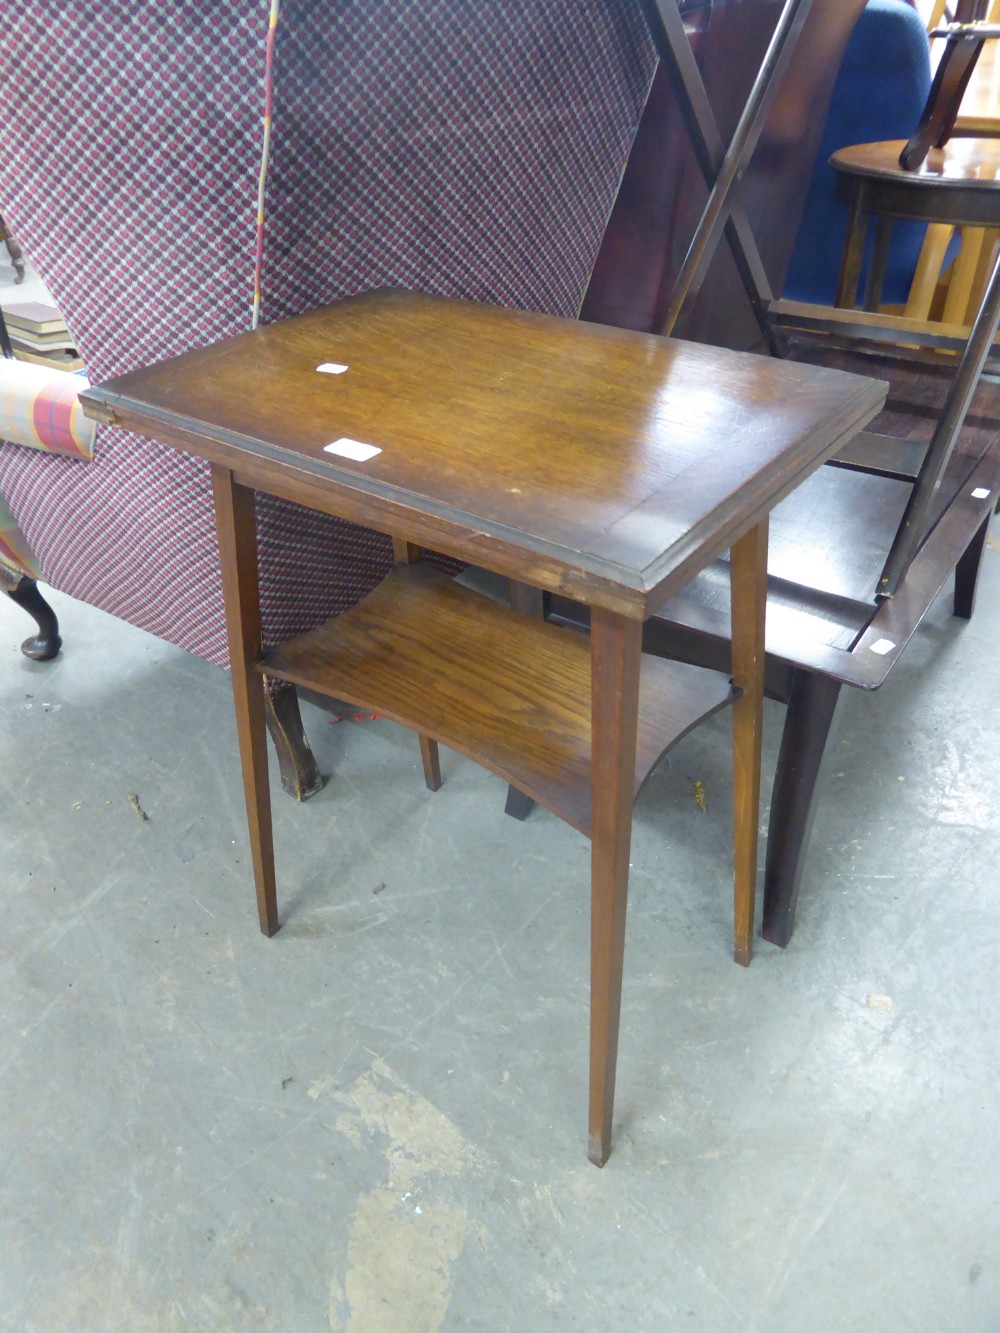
pixel 375 1120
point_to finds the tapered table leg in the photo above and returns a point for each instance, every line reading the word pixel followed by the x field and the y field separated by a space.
pixel 748 574
pixel 616 644
pixel 237 530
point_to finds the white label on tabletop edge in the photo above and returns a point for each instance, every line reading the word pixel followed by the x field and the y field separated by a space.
pixel 882 646
pixel 356 449
pixel 980 493
pixel 332 368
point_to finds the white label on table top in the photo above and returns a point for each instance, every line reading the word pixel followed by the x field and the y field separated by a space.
pixel 882 646
pixel 355 449
pixel 332 368
pixel 980 493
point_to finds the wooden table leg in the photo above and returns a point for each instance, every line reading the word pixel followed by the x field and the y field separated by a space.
pixel 237 530
pixel 430 756
pixel 616 646
pixel 748 576
pixel 854 252
pixel 877 264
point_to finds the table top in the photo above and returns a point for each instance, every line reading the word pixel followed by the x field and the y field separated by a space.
pixel 601 463
pixel 972 163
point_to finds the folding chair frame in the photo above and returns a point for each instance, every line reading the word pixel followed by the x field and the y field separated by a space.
pixel 723 170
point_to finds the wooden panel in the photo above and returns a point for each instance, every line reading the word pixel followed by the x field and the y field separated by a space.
pixel 882 455
pixel 509 691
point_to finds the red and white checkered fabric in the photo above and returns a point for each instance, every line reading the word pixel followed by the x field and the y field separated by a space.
pixel 464 149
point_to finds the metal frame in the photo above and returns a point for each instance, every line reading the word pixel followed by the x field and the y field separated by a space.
pixel 723 169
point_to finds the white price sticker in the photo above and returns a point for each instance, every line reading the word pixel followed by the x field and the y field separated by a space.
pixel 354 449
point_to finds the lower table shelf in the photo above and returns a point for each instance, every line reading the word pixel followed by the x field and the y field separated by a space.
pixel 508 690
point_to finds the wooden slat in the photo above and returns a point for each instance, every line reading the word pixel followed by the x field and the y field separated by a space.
pixel 882 456
pixel 507 690
pixel 867 324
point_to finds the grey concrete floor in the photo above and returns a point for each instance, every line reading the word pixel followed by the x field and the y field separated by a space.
pixel 375 1120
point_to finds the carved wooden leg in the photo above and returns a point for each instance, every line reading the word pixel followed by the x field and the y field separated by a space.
pixel 14 250
pixel 967 572
pixel 811 706
pixel 615 648
pixel 300 775
pixel 44 645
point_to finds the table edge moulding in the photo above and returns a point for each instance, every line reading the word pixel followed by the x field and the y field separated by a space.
pixel 606 465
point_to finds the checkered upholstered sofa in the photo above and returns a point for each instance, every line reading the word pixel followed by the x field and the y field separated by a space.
pixel 468 150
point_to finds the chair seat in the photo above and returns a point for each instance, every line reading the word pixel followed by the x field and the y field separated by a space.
pixel 830 537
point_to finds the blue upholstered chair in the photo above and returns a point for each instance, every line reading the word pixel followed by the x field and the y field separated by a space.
pixel 880 92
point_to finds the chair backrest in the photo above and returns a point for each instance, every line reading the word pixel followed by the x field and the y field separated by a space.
pixel 881 88
pixel 663 190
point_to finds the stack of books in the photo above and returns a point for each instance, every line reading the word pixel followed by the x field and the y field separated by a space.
pixel 38 333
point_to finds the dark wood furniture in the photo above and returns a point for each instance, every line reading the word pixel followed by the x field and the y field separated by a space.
pixel 585 461
pixel 15 252
pixel 45 644
pixel 958 184
pixel 861 552
pixel 826 628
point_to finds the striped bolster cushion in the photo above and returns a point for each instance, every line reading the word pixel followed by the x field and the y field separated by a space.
pixel 39 407
pixel 14 551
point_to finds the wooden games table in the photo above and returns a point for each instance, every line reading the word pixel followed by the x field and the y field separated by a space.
pixel 601 464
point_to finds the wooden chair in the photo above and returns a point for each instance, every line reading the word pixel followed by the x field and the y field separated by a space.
pixel 965 41
pixel 859 554
pixel 900 514
pixel 858 559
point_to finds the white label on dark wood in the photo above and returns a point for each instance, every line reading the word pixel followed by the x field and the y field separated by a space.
pixel 980 493
pixel 332 368
pixel 882 646
pixel 355 449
